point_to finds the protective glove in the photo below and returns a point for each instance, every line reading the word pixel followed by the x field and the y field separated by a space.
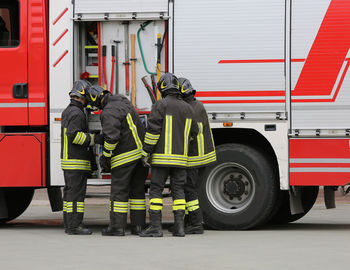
pixel 105 164
pixel 99 139
pixel 146 161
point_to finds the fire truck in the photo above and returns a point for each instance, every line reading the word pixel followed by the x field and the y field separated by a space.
pixel 272 74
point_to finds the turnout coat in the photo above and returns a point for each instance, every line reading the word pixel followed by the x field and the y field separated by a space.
pixel 122 129
pixel 75 139
pixel 170 127
pixel 202 149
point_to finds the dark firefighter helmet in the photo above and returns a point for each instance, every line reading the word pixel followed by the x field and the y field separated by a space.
pixel 94 96
pixel 167 83
pixel 80 89
pixel 186 88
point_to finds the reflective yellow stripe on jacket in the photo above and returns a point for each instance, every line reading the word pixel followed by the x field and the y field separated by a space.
pixel 168 134
pixel 75 164
pixel 186 135
pixel 151 139
pixel 200 139
pixel 133 129
pixel 163 159
pixel 72 164
pixel 132 155
pixel 79 138
pixel 201 160
pixel 126 157
pixel 110 146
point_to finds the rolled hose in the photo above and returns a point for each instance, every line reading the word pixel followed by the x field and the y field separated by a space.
pixel 142 27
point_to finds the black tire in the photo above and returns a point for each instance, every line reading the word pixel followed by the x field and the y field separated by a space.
pixel 308 199
pixel 17 200
pixel 238 163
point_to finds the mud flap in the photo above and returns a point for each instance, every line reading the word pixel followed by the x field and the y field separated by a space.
pixel 329 197
pixel 55 197
pixel 296 206
pixel 3 205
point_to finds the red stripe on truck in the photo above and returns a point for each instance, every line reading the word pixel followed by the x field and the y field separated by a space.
pixel 60 16
pixel 59 59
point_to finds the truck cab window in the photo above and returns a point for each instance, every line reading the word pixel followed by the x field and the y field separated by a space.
pixel 9 23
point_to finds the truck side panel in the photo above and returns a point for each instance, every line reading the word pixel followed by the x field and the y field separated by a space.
pixel 320 62
pixel 13 68
pixel 319 162
pixel 233 52
pixel 61 76
pixel 25 156
pixel 37 62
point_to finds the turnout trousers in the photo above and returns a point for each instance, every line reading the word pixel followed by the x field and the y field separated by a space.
pixel 177 180
pixel 128 184
pixel 73 198
pixel 191 195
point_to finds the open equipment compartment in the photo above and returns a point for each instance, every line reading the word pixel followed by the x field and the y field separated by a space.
pixel 115 49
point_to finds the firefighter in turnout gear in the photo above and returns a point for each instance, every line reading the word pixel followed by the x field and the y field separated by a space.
pixel 123 135
pixel 75 159
pixel 170 127
pixel 201 154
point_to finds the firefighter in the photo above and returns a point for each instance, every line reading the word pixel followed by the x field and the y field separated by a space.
pixel 75 159
pixel 170 127
pixel 201 154
pixel 123 135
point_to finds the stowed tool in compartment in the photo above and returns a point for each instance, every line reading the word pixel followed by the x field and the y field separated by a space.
pixel 112 71
pixel 101 60
pixel 133 70
pixel 104 65
pixel 150 92
pixel 126 63
pixel 154 85
pixel 116 67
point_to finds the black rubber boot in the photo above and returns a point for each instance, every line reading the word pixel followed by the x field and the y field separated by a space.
pixel 136 229
pixel 138 221
pixel 195 224
pixel 179 223
pixel 155 228
pixel 116 226
pixel 65 226
pixel 187 223
pixel 113 231
pixel 75 225
pixel 81 230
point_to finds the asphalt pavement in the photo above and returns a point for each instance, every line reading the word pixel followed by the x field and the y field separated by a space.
pixel 320 240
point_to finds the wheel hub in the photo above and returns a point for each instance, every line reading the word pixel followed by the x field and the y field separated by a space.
pixel 230 187
pixel 234 187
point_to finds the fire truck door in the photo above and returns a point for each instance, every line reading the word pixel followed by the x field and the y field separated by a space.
pixel 13 67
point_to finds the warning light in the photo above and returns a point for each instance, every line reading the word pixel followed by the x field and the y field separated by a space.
pixel 228 124
pixel 58 119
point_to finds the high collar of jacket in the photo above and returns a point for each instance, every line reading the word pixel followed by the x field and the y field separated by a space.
pixel 189 98
pixel 105 100
pixel 77 103
pixel 174 95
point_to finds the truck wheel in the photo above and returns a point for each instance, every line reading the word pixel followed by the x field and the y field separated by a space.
pixel 308 199
pixel 17 200
pixel 240 190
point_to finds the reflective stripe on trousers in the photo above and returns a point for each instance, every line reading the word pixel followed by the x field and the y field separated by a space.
pixel 118 207
pixel 179 204
pixel 156 204
pixel 137 204
pixel 70 207
pixel 192 205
